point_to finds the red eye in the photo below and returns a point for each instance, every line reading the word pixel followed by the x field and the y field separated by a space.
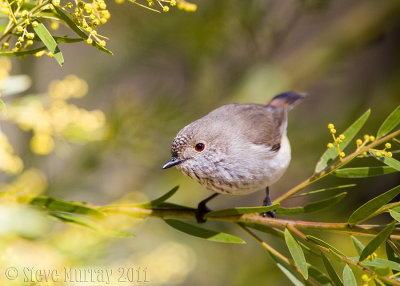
pixel 199 147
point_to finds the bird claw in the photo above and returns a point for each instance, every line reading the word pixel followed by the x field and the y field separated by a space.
pixel 267 202
pixel 201 210
pixel 270 214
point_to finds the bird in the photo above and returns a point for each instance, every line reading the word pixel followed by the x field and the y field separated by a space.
pixel 236 149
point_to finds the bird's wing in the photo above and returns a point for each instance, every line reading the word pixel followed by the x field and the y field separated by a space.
pixel 263 125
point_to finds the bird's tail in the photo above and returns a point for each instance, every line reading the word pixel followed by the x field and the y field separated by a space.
pixel 287 99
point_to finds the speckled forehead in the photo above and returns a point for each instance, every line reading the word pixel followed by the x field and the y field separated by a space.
pixel 179 141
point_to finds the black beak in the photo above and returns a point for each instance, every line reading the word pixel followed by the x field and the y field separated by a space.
pixel 172 162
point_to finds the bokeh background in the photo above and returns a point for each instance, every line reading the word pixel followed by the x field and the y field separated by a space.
pixel 169 69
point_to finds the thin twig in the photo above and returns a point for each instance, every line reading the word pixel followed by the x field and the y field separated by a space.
pixel 334 166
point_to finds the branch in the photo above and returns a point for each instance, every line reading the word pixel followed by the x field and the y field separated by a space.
pixel 251 218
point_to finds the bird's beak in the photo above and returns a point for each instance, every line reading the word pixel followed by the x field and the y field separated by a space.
pixel 172 162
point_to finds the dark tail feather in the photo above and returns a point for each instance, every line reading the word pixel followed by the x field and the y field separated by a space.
pixel 287 99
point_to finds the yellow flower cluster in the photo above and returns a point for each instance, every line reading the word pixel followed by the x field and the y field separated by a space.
pixel 180 4
pixel 336 141
pixel 9 163
pixel 50 116
pixel 378 153
pixel 89 15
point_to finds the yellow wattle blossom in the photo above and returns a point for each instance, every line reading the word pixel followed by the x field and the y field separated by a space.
pixel 9 162
pixel 50 116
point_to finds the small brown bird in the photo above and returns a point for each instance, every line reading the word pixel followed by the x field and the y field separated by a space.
pixel 236 149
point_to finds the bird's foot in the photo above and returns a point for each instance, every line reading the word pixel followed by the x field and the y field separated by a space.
pixel 267 202
pixel 201 210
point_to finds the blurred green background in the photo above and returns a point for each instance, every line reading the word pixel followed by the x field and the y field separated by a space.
pixel 172 68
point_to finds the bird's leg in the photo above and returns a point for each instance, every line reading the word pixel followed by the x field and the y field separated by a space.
pixel 267 202
pixel 202 209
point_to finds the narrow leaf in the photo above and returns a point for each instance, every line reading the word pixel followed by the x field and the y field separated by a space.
pixel 378 263
pixel 287 270
pixel 318 276
pixel 67 20
pixel 388 161
pixel 203 233
pixel 313 207
pixel 391 255
pixel 395 215
pixel 325 244
pixel 357 245
pixel 362 172
pixel 242 210
pixel 49 42
pixel 371 206
pixel 348 277
pixel 331 271
pixel 390 122
pixel 330 154
pixel 160 200
pixel 290 275
pixel 323 190
pixel 380 238
pixel 51 204
pixel 86 222
pixel 297 253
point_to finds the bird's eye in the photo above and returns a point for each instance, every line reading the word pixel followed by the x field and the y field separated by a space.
pixel 199 147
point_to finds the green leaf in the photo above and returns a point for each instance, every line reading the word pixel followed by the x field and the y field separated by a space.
pixel 388 161
pixel 160 200
pixel 86 222
pixel 362 172
pixel 289 274
pixel 330 154
pixel 348 277
pixel 378 263
pixel 203 233
pixel 331 271
pixel 318 276
pixel 390 122
pixel 297 253
pixel 49 42
pixel 380 238
pixel 51 204
pixel 357 245
pixel 312 207
pixel 395 215
pixel 67 20
pixel 287 269
pixel 392 255
pixel 323 190
pixel 371 206
pixel 242 210
pixel 325 244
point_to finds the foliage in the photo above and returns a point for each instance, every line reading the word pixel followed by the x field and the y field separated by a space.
pixel 298 241
pixel 22 32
